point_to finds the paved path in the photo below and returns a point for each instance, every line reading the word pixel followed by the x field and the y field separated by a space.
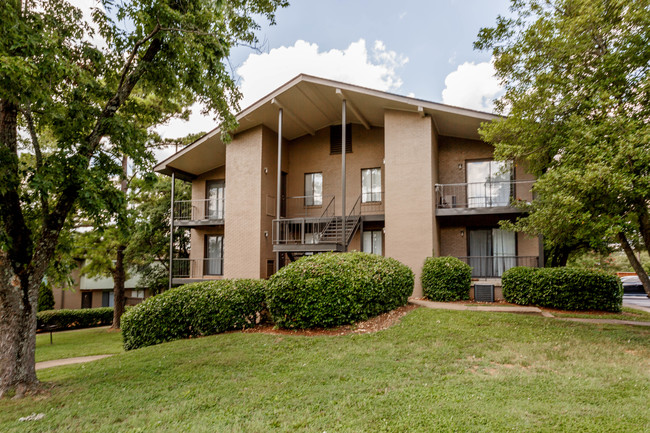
pixel 68 361
pixel 605 321
pixel 518 309
pixel 638 302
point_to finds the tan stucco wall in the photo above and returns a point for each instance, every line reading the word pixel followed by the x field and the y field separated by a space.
pixel 410 217
pixel 68 296
pixel 311 154
pixel 243 205
pixel 268 183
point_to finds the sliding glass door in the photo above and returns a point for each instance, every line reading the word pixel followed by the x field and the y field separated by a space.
pixel 491 252
pixel 489 183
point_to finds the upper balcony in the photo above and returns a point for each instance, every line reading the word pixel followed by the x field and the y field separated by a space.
pixel 192 213
pixel 480 198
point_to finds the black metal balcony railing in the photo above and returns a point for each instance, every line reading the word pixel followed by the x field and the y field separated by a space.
pixel 483 194
pixel 199 210
pixel 197 268
pixel 495 266
pixel 309 216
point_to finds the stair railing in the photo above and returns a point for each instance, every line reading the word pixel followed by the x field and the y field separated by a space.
pixel 355 216
pixel 327 214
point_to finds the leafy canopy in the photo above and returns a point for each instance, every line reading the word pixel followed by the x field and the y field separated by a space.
pixel 577 91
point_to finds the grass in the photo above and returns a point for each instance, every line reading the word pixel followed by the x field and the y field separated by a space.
pixel 626 314
pixel 435 371
pixel 80 342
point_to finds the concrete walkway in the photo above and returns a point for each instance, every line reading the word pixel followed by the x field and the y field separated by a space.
pixel 461 307
pixel 518 309
pixel 69 361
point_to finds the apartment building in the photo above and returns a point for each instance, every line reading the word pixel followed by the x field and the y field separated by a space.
pixel 320 165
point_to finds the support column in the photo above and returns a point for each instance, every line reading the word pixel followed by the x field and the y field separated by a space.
pixel 171 231
pixel 278 207
pixel 343 151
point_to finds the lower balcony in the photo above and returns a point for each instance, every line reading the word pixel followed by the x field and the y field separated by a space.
pixel 191 270
pixel 495 266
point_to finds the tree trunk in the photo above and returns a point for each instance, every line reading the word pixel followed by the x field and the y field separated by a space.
pixel 119 272
pixel 634 261
pixel 119 277
pixel 18 299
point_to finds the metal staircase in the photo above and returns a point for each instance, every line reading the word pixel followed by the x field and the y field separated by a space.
pixel 327 232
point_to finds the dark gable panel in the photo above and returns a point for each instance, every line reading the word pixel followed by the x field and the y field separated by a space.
pixel 335 139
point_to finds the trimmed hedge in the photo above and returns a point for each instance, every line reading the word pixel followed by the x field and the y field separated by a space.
pixel 563 288
pixel 197 309
pixel 72 319
pixel 332 289
pixel 446 279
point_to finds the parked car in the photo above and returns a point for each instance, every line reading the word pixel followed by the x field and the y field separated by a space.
pixel 632 285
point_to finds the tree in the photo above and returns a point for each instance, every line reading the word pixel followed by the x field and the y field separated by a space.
pixel 45 297
pixel 577 91
pixel 137 241
pixel 96 102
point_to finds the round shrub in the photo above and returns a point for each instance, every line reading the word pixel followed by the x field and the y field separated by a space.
pixel 446 279
pixel 197 309
pixel 563 288
pixel 333 289
pixel 517 283
pixel 45 298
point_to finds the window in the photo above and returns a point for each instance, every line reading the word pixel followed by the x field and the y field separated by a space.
pixel 213 262
pixel 370 185
pixel 137 294
pixel 108 300
pixel 215 195
pixel 489 183
pixel 313 189
pixel 371 242
pixel 492 252
pixel 335 139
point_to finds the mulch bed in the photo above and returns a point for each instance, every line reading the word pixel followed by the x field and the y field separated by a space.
pixel 378 323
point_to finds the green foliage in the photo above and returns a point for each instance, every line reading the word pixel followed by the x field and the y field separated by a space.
pixel 192 310
pixel 563 288
pixel 332 289
pixel 446 279
pixel 45 297
pixel 72 319
pixel 576 76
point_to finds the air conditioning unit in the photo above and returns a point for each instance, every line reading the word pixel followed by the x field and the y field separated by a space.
pixel 484 292
pixel 448 201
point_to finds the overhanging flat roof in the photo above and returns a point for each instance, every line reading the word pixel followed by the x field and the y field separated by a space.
pixel 312 103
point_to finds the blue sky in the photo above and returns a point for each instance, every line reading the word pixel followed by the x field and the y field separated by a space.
pixel 410 47
pixel 436 35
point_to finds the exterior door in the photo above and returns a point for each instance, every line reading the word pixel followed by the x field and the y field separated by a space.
pixel 215 195
pixel 86 299
pixel 213 263
pixel 283 196
pixel 491 252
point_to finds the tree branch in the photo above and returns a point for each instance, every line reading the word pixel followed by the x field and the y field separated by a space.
pixel 27 112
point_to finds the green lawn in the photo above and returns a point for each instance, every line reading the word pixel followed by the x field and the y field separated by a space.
pixel 435 371
pixel 80 342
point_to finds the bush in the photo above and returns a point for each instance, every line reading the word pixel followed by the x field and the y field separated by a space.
pixel 45 298
pixel 72 319
pixel 197 309
pixel 446 279
pixel 563 288
pixel 332 289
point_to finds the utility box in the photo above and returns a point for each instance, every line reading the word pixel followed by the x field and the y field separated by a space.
pixel 484 292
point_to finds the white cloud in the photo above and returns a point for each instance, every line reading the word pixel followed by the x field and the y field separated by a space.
pixel 377 68
pixel 472 86
pixel 86 7
pixel 260 74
